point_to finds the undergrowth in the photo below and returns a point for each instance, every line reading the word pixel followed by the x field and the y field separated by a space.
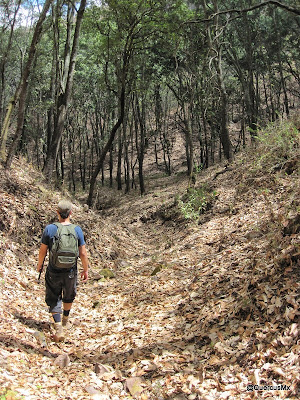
pixel 279 147
pixel 196 201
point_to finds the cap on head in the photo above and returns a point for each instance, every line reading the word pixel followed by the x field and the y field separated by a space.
pixel 64 208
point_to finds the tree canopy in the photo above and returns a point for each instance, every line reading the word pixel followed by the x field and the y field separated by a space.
pixel 98 87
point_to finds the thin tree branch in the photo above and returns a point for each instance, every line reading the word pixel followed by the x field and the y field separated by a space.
pixel 245 10
pixel 265 3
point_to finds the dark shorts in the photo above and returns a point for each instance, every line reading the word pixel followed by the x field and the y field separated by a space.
pixel 60 288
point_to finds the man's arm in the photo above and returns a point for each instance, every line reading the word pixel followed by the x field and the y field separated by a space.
pixel 85 262
pixel 42 255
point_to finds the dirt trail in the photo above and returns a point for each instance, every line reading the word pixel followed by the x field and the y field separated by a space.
pixel 194 310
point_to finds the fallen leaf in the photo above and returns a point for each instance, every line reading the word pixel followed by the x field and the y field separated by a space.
pixel 62 361
pixel 134 385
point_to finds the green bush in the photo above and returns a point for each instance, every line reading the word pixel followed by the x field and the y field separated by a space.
pixel 195 202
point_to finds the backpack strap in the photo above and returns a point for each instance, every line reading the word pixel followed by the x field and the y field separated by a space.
pixel 60 225
pixel 59 228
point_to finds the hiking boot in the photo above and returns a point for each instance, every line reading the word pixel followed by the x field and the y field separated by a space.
pixel 59 332
pixel 65 321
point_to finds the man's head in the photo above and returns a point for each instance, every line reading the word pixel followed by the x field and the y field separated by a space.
pixel 64 208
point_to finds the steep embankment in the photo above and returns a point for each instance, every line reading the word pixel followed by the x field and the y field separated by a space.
pixel 197 310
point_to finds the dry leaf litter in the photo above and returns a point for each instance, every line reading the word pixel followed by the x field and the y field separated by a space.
pixel 220 312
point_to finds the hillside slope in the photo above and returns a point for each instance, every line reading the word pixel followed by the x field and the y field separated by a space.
pixel 196 310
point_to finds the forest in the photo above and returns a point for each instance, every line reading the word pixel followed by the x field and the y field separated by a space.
pixel 173 128
pixel 103 88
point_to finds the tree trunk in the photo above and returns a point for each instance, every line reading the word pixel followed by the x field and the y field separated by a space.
pixel 279 60
pixel 21 91
pixel 111 165
pixel 215 49
pixel 3 62
pixel 119 167
pixel 140 115
pixel 107 147
pixel 64 97
pixel 224 132
pixel 188 138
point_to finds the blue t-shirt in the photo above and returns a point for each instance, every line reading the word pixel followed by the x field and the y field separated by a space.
pixel 50 232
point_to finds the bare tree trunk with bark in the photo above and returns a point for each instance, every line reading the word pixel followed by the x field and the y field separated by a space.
pixel 21 91
pixel 64 97
pixel 107 146
pixel 216 54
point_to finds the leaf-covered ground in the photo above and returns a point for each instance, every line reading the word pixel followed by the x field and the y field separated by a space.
pixel 196 310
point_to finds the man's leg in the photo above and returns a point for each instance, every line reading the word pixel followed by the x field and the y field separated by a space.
pixel 69 294
pixel 67 308
pixel 54 301
pixel 56 317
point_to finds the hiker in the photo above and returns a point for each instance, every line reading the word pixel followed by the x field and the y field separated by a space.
pixel 65 242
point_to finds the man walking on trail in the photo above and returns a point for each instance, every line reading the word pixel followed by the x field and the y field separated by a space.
pixel 65 242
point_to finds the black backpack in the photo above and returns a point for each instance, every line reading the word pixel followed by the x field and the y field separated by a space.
pixel 64 250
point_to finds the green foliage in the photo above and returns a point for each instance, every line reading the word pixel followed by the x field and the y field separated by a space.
pixel 157 269
pixel 279 143
pixel 196 201
pixel 8 394
pixel 151 46
pixel 107 273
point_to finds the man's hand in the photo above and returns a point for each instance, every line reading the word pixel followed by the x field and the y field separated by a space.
pixel 84 276
pixel 85 262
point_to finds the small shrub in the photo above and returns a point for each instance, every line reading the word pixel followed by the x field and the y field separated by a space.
pixel 195 202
